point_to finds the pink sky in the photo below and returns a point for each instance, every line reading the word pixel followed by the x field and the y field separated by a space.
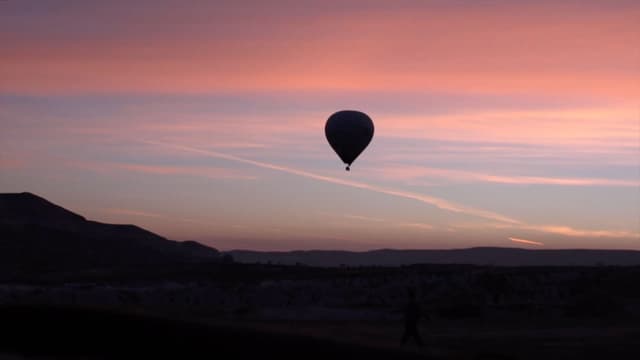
pixel 502 123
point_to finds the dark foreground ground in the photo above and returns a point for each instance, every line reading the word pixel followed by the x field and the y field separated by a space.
pixel 36 332
pixel 30 332
pixel 239 311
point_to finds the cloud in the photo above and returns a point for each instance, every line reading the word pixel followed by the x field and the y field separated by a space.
pixel 572 232
pixel 209 172
pixel 204 171
pixel 581 128
pixel 419 172
pixel 147 214
pixel 459 131
pixel 576 51
pixel 130 212
pixel 414 225
pixel 524 241
pixel 562 230
pixel 431 200
pixel 365 218
pixel 422 226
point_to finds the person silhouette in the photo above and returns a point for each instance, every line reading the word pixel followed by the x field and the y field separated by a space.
pixel 411 319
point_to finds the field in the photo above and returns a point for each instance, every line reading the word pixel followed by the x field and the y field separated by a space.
pixel 471 312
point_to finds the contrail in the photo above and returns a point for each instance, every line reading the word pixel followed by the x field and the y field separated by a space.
pixel 528 242
pixel 437 202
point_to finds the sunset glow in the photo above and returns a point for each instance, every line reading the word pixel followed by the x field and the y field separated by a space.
pixel 496 122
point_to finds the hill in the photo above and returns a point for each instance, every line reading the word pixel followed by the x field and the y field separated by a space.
pixel 39 236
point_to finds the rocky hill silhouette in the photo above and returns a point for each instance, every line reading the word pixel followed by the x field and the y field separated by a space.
pixel 39 236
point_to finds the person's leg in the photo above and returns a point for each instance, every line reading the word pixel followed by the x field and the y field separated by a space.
pixel 405 335
pixel 418 337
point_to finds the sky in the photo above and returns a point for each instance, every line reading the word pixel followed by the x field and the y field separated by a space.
pixel 497 123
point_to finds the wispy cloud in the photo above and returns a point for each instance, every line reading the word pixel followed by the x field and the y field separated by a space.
pixel 148 214
pixel 559 230
pixel 365 218
pixel 204 171
pixel 418 172
pixel 569 231
pixel 422 226
pixel 209 172
pixel 579 128
pixel 431 200
pixel 222 51
pixel 524 241
pixel 415 225
pixel 131 212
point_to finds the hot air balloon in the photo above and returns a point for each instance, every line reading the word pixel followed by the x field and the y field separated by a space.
pixel 349 132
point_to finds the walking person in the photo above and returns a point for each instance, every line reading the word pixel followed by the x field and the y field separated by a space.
pixel 411 319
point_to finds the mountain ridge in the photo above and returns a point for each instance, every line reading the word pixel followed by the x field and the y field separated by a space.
pixel 497 256
pixel 37 235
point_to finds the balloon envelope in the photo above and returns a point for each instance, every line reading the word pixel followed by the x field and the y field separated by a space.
pixel 349 132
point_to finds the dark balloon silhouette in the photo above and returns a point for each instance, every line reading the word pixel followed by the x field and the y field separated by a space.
pixel 349 132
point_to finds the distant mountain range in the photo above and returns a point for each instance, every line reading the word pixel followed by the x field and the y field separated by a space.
pixel 472 256
pixel 38 236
